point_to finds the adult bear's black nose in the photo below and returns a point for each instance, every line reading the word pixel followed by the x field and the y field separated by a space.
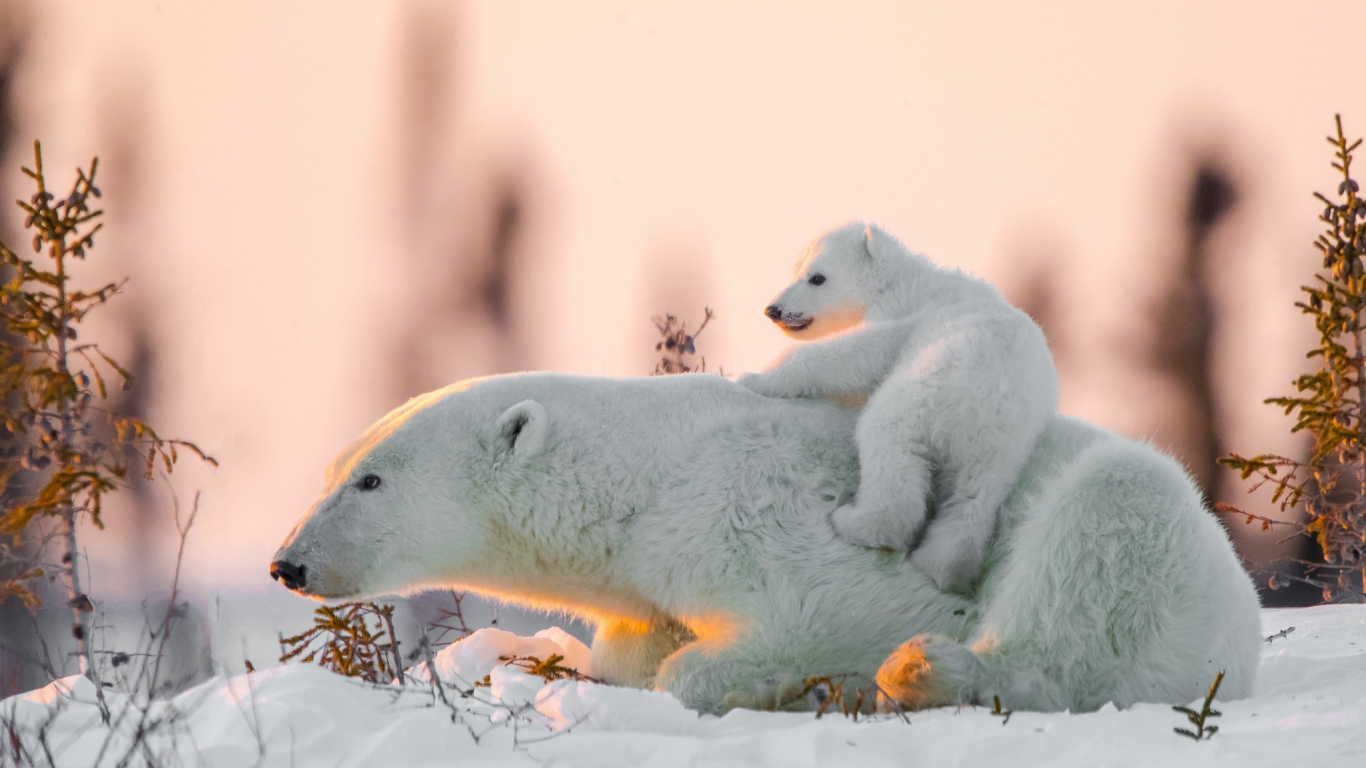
pixel 288 574
pixel 773 312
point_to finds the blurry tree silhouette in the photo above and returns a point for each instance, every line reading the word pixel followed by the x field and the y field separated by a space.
pixel 1185 318
pixel 1037 259
pixel 18 641
pixel 463 223
pixel 123 113
pixel 1038 298
pixel 463 217
pixel 507 220
pixel 427 103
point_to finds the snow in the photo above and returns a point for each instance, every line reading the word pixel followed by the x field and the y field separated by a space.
pixel 1310 709
pixel 468 661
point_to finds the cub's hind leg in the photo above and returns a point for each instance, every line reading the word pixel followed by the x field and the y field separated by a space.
pixel 985 428
pixel 895 471
pixel 955 544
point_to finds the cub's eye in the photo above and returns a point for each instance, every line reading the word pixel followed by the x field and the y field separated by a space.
pixel 816 279
pixel 369 482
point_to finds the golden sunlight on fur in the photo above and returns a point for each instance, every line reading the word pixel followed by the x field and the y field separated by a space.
pixel 908 677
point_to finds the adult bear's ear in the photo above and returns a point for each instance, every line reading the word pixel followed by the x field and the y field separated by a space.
pixel 520 432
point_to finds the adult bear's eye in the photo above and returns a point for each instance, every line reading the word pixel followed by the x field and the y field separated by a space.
pixel 816 279
pixel 369 482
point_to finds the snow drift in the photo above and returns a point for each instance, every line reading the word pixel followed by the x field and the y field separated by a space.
pixel 1309 708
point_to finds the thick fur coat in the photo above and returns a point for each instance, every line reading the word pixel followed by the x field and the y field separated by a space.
pixel 690 519
pixel 960 384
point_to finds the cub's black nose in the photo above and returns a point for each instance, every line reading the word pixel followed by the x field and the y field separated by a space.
pixel 288 574
pixel 773 312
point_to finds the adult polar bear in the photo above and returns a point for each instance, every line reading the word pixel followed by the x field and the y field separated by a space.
pixel 689 518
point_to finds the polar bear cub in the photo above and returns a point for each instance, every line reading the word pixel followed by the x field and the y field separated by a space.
pixel 960 385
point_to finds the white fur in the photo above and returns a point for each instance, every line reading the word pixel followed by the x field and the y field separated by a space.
pixel 960 385
pixel 689 518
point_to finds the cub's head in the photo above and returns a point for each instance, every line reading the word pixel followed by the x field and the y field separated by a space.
pixel 400 508
pixel 837 278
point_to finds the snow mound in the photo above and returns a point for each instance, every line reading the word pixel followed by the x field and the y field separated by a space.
pixel 468 661
pixel 569 704
pixel 1310 708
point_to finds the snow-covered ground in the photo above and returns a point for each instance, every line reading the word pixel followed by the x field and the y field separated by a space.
pixel 1310 709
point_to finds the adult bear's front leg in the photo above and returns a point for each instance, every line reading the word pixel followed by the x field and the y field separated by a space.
pixel 718 674
pixel 629 653
pixel 701 673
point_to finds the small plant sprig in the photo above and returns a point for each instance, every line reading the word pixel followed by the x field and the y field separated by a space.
pixel 342 641
pixel 996 710
pixel 833 688
pixel 1282 634
pixel 1329 405
pixel 830 693
pixel 676 344
pixel 549 668
pixel 51 391
pixel 1198 719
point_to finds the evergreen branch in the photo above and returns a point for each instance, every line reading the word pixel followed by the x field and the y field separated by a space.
pixel 1198 718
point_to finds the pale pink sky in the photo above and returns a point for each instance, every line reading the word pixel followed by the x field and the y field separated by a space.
pixel 728 132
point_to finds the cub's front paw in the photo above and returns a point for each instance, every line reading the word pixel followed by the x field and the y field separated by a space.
pixel 860 527
pixel 759 383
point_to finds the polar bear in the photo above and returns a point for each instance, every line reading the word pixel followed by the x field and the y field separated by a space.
pixel 689 519
pixel 959 386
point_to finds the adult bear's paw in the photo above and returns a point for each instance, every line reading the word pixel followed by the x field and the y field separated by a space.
pixel 930 671
pixel 782 692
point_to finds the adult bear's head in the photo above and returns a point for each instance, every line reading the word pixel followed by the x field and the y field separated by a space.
pixel 401 507
pixel 841 277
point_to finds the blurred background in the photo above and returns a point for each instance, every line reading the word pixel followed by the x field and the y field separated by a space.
pixel 327 207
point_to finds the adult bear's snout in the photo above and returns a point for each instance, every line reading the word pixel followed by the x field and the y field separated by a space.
pixel 773 312
pixel 293 577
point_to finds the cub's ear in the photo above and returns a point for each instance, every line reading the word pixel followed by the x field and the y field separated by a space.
pixel 874 241
pixel 520 432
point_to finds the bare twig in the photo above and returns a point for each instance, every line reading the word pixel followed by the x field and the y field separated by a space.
pixel 1283 633
pixel 676 344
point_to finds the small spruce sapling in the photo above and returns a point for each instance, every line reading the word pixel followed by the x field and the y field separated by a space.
pixel 342 640
pixel 52 393
pixel 1198 719
pixel 1329 403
